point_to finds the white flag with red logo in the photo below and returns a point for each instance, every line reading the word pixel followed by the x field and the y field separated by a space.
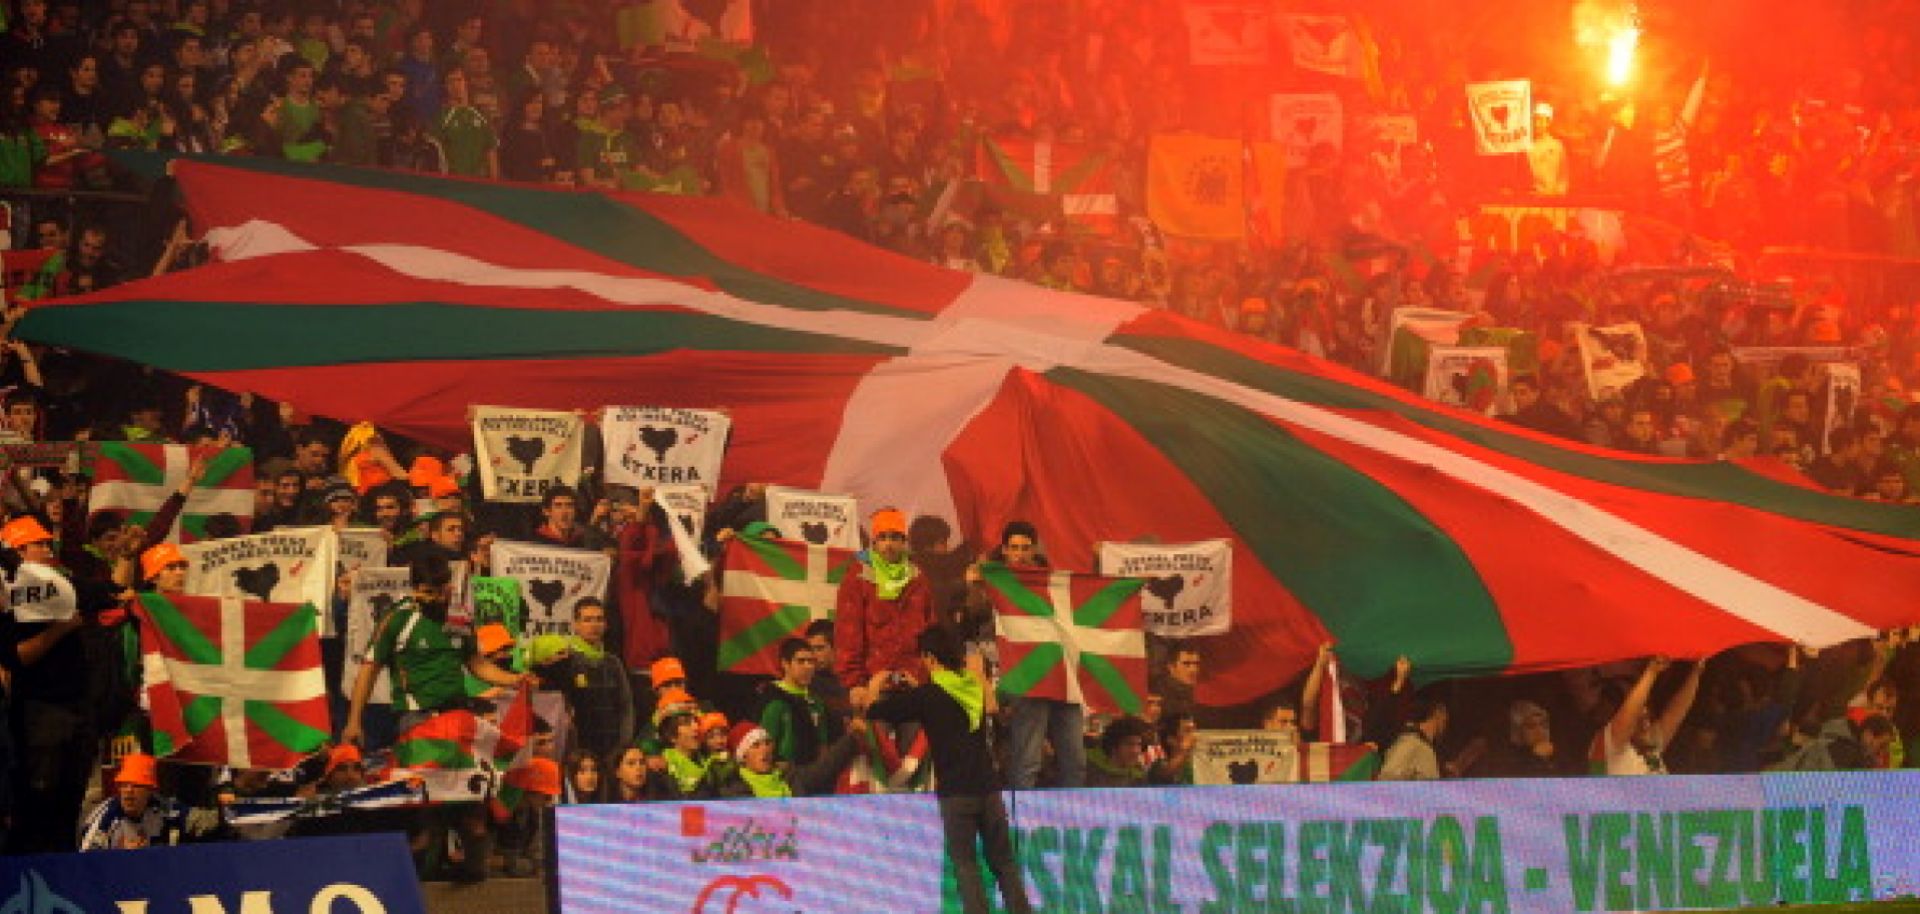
pixel 1324 44
pixel 1502 116
pixel 1302 121
pixel 1229 33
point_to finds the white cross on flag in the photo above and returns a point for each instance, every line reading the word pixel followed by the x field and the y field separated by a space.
pixel 1070 637
pixel 231 682
pixel 770 591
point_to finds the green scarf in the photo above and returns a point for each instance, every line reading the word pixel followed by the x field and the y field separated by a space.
pixel 770 784
pixel 790 688
pixel 966 690
pixel 889 578
pixel 541 649
pixel 686 772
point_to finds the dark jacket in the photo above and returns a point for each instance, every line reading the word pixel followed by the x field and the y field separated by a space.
pixel 962 761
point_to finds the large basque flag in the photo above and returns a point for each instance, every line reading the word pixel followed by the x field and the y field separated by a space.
pixel 231 682
pixel 1359 512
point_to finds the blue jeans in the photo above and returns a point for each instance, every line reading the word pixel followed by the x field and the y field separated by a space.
pixel 1040 720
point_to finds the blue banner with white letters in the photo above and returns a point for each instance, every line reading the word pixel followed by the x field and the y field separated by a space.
pixel 360 874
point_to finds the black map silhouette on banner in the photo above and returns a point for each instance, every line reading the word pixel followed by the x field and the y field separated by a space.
pixel 1167 588
pixel 814 532
pixel 546 593
pixel 527 450
pixel 381 604
pixel 257 582
pixel 659 440
pixel 1243 772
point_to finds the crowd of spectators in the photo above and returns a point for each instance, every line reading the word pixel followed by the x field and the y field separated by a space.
pixel 861 129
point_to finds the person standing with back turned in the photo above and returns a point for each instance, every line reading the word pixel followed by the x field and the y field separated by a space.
pixel 952 708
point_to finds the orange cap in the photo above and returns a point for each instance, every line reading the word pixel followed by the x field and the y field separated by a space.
pixel 1679 373
pixel 712 720
pixel 888 520
pixel 341 755
pixel 673 697
pixel 543 776
pixel 1253 305
pixel 667 669
pixel 493 636
pixel 157 558
pixel 22 531
pixel 443 486
pixel 672 702
pixel 138 769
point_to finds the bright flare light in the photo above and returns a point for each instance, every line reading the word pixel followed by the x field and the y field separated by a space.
pixel 1620 50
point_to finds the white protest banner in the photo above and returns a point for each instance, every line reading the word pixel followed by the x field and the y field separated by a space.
pixel 1531 230
pixel 1324 44
pixel 1502 116
pixel 1470 377
pixel 1764 361
pixel 653 445
pixel 1189 589
pixel 814 517
pixel 376 591
pixel 361 547
pixel 1304 121
pixel 1403 357
pixel 1229 33
pixel 1613 356
pixel 38 593
pixel 686 510
pixel 552 579
pixel 1245 757
pixel 1843 397
pixel 524 452
pixel 285 565
pixel 1397 130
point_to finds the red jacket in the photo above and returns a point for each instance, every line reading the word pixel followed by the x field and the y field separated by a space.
pixel 874 635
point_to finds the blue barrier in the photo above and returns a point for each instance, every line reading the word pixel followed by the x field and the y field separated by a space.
pixel 1575 845
pixel 364 874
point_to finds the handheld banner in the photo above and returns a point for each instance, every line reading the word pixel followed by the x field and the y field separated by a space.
pixel 522 453
pixel 1613 356
pixel 1502 116
pixel 1302 122
pixel 1470 377
pixel 686 510
pixel 39 593
pixel 284 565
pixel 1189 586
pixel 1245 757
pixel 814 517
pixel 376 591
pixel 552 580
pixel 655 445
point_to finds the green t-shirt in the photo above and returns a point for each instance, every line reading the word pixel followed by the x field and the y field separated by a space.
pixel 428 662
pixel 777 718
pixel 20 153
pixel 610 154
pixel 468 136
pixel 296 122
